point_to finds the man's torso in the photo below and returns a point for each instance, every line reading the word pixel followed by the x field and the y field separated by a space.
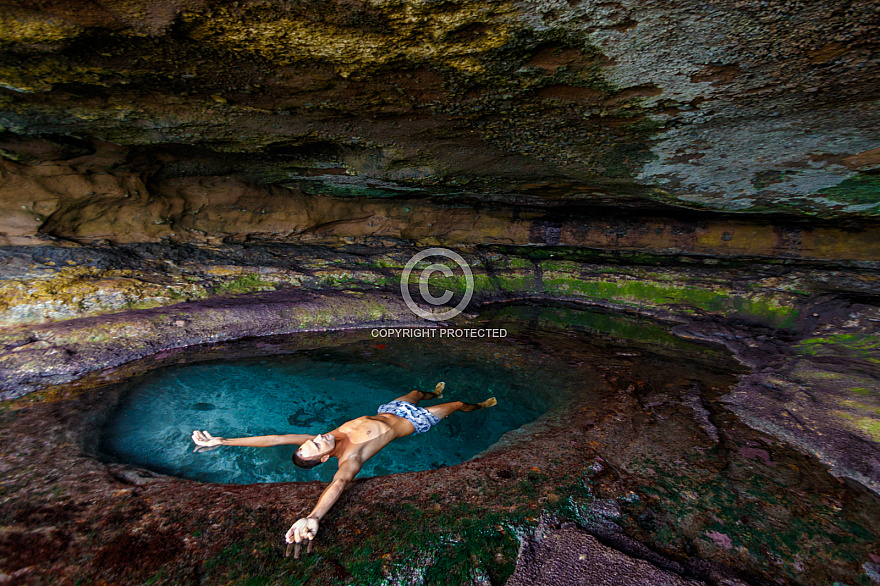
pixel 370 433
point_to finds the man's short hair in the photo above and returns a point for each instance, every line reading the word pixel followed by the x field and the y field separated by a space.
pixel 305 462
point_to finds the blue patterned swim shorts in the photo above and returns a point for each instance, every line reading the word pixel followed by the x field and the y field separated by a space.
pixel 421 418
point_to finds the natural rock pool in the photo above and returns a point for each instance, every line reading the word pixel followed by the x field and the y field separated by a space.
pixel 314 391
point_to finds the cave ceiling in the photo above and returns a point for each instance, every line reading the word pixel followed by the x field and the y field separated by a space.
pixel 748 108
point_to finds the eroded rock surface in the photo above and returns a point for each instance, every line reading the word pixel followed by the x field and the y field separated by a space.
pixel 569 556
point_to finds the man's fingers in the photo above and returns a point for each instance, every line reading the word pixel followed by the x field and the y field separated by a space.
pixel 297 548
pixel 203 438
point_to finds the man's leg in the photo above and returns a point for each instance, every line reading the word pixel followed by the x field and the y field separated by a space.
pixel 445 409
pixel 415 396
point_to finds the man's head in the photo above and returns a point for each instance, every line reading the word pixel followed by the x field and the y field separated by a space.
pixel 315 451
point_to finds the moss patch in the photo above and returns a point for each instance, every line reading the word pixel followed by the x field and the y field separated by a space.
pixel 387 33
pixel 736 504
pixel 20 26
pixel 406 543
pixel 858 189
pixel 643 293
pixel 863 347
pixel 246 284
pixel 867 425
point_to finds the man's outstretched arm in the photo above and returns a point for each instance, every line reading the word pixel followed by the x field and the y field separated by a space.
pixel 206 440
pixel 307 527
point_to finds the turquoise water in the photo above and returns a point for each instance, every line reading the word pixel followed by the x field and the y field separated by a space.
pixel 314 391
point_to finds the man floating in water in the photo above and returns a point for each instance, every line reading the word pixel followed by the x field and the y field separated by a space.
pixel 352 443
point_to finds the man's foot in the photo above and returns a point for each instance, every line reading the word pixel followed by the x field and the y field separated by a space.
pixel 438 391
pixel 468 407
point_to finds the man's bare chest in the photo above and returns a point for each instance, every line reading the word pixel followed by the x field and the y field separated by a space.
pixel 365 428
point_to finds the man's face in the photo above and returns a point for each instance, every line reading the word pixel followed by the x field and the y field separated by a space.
pixel 321 445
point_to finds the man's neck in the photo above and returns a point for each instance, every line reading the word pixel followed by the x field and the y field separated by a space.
pixel 340 443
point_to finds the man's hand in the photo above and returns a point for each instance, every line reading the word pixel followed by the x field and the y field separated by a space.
pixel 304 529
pixel 205 441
